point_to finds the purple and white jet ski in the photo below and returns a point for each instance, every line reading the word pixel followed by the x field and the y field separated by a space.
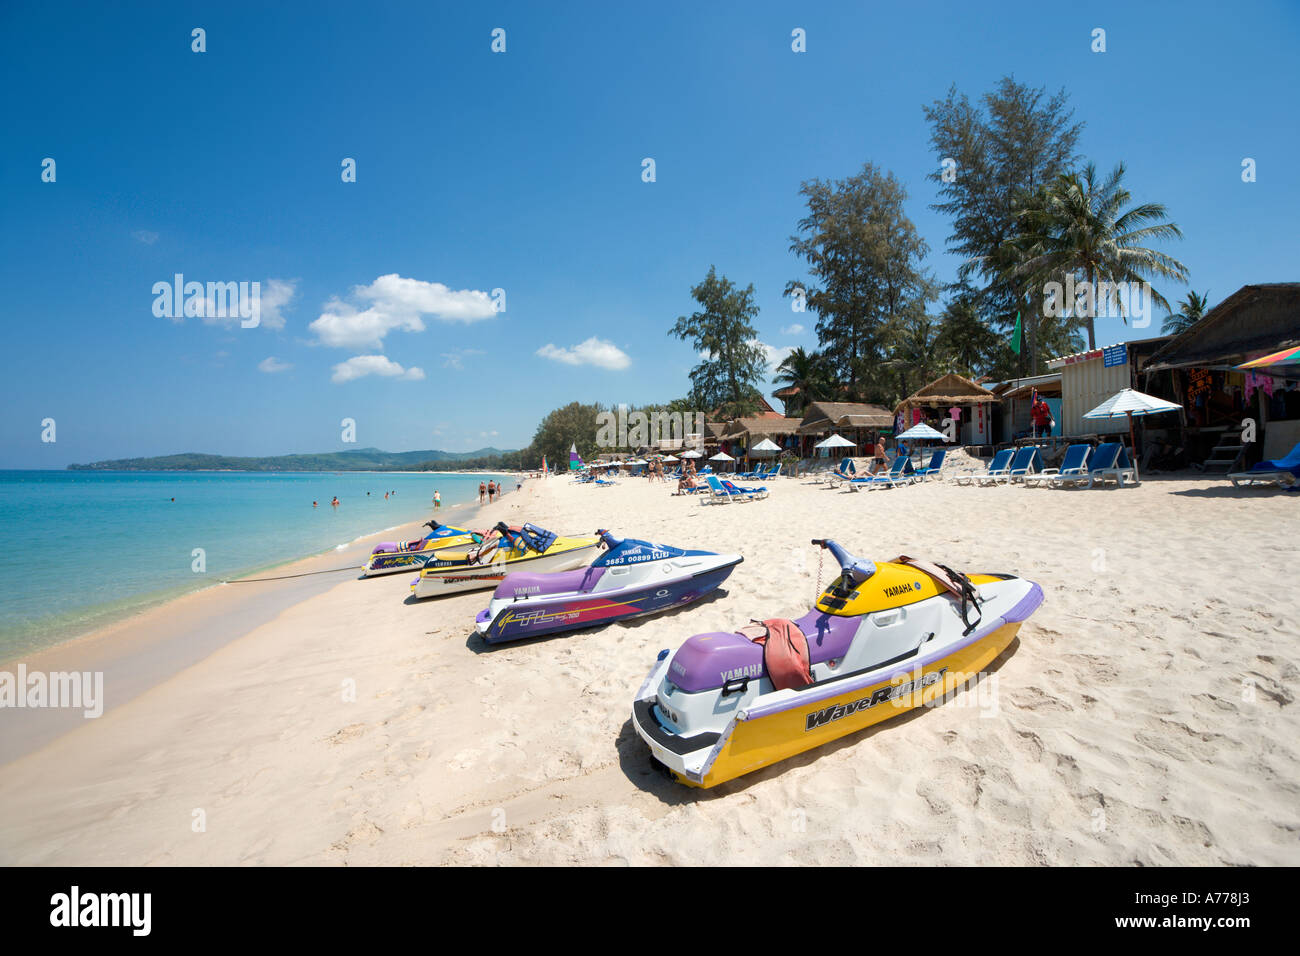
pixel 629 579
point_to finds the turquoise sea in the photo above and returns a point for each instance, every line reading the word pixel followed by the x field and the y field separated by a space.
pixel 79 549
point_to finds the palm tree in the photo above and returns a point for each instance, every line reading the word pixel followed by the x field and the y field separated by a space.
pixel 912 352
pixel 809 372
pixel 1078 225
pixel 1190 311
pixel 965 338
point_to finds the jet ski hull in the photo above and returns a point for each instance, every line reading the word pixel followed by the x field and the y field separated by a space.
pixel 771 726
pixel 551 613
pixel 437 582
pixel 394 562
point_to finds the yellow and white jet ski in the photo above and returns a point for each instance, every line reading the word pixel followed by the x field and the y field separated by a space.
pixel 883 638
pixel 390 557
pixel 503 550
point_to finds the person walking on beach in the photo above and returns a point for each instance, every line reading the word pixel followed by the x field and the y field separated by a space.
pixel 482 492
pixel 492 490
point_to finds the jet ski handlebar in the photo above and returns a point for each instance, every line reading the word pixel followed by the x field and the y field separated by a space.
pixel 608 539
pixel 859 568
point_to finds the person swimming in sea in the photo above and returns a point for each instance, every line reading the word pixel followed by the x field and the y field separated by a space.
pixel 335 502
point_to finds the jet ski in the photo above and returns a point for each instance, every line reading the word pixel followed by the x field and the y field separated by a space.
pixel 882 639
pixel 629 579
pixel 389 557
pixel 504 549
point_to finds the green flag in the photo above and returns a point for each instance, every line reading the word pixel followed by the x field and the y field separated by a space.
pixel 1015 336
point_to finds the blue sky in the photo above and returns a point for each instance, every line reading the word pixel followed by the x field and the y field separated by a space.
pixel 522 171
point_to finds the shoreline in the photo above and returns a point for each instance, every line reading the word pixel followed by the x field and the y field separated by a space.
pixel 107 615
pixel 152 644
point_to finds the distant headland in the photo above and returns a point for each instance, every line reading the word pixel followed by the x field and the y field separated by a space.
pixel 360 459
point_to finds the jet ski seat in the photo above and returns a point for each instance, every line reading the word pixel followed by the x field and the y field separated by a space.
pixel 712 660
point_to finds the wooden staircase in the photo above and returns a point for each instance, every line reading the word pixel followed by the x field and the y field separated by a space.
pixel 1225 458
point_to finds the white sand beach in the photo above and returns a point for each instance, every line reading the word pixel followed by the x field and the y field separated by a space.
pixel 1144 716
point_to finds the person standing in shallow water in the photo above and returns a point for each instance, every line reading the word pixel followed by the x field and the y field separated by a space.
pixel 482 492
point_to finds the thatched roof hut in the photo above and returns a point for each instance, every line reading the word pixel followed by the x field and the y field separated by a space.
pixel 756 429
pixel 822 418
pixel 946 391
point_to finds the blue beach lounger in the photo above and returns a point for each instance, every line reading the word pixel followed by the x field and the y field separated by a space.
pixel 998 466
pixel 1281 471
pixel 900 472
pixel 936 463
pixel 1110 462
pixel 1074 468
pixel 1028 461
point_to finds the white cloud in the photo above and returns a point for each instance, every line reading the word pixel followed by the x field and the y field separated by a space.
pixel 145 236
pixel 455 359
pixel 273 295
pixel 271 365
pixel 593 351
pixel 795 329
pixel 276 296
pixel 359 366
pixel 772 355
pixel 393 302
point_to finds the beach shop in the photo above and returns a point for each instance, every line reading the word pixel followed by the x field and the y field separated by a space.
pixel 950 398
pixel 1233 416
pixel 1089 378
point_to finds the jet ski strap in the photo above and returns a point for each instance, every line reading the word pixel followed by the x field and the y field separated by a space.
pixel 955 583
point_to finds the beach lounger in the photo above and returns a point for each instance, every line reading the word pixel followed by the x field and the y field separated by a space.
pixel 1074 468
pixel 717 494
pixel 997 467
pixel 754 494
pixel 846 471
pixel 936 464
pixel 1110 462
pixel 1023 466
pixel 1279 471
pixel 900 472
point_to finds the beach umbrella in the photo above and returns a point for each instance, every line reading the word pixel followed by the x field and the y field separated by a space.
pixel 1289 356
pixel 835 441
pixel 670 460
pixel 922 430
pixel 692 454
pixel 722 456
pixel 1130 402
pixel 766 445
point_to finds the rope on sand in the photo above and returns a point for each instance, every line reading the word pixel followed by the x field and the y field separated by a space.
pixel 303 574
